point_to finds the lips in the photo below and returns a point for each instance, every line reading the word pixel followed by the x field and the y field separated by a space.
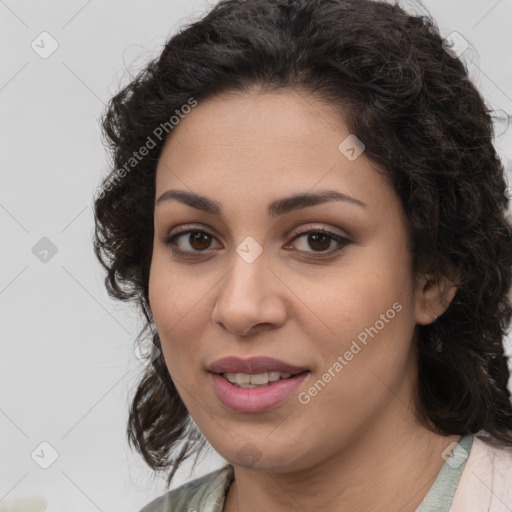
pixel 241 397
pixel 253 365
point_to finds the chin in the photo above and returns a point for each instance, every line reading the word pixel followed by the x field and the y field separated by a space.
pixel 263 454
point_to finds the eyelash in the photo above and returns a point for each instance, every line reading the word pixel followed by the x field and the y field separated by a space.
pixel 343 242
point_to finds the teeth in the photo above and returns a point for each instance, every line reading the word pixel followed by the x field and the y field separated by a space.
pixel 249 381
pixel 273 376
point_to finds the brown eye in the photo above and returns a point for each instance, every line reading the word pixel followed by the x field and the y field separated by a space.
pixel 193 242
pixel 197 241
pixel 320 241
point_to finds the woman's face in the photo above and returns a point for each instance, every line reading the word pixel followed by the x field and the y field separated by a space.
pixel 338 304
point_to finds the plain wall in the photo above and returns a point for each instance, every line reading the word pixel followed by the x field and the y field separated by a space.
pixel 68 368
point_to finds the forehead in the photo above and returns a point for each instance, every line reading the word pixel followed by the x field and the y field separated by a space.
pixel 287 115
pixel 249 143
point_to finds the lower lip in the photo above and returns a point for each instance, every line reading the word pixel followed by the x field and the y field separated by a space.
pixel 255 399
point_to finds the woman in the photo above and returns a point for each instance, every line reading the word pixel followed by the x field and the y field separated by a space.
pixel 307 206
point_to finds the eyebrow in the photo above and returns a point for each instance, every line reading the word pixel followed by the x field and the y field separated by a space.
pixel 274 209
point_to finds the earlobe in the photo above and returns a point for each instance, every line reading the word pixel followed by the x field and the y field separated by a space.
pixel 433 296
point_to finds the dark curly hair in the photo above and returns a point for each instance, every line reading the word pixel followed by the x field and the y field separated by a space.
pixel 423 123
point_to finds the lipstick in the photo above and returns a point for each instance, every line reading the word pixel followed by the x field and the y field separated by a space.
pixel 255 384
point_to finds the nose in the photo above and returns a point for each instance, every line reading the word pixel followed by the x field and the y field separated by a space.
pixel 250 298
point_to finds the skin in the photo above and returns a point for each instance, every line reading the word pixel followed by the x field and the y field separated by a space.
pixel 357 444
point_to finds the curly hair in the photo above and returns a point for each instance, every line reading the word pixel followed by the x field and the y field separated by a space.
pixel 423 123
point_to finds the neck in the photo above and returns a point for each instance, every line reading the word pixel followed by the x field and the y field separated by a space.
pixel 381 470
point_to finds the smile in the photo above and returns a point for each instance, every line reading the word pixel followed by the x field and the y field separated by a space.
pixel 248 381
pixel 255 398
pixel 254 384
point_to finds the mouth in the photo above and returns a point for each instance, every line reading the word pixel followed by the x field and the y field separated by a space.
pixel 253 366
pixel 256 384
pixel 256 380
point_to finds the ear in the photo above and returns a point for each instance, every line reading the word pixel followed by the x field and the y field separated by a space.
pixel 433 296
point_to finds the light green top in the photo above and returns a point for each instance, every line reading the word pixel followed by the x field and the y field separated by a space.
pixel 207 494
pixel 440 496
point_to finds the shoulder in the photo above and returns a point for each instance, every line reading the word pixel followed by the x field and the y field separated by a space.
pixel 486 481
pixel 205 493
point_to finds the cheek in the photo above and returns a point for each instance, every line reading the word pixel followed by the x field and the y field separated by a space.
pixel 170 294
pixel 168 306
pixel 180 307
pixel 366 287
pixel 376 347
pixel 370 310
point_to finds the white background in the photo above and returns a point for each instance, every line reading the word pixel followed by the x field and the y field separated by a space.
pixel 68 369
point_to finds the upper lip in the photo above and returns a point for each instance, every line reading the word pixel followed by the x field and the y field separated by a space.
pixel 253 365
